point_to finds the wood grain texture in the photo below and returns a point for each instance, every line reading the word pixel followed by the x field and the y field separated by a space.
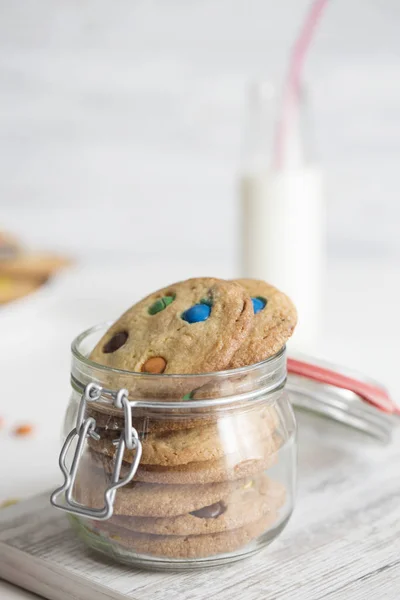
pixel 343 540
pixel 341 544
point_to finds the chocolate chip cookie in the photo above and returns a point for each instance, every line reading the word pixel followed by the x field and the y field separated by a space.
pixel 194 326
pixel 275 318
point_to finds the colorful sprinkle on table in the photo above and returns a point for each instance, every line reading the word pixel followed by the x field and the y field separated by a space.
pixel 9 502
pixel 23 430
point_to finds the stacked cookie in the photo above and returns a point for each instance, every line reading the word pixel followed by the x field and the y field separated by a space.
pixel 202 487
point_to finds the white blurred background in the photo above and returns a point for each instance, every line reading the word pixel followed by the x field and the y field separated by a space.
pixel 120 121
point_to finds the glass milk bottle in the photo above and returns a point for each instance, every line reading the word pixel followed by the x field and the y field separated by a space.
pixel 282 209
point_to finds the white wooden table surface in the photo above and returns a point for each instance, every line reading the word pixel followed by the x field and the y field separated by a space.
pixel 344 545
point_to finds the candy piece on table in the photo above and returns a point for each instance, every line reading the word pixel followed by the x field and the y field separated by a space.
pixel 23 430
pixel 9 502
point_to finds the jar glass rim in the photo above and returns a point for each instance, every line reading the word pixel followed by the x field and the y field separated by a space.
pixel 225 388
pixel 76 352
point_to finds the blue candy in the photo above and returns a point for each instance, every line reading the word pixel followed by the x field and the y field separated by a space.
pixel 258 304
pixel 197 313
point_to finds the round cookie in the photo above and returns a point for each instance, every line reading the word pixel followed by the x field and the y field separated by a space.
pixel 249 503
pixel 194 326
pixel 228 468
pixel 241 433
pixel 193 546
pixel 274 321
pixel 146 423
pixel 150 499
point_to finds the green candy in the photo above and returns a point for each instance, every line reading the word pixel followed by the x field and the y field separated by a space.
pixel 168 300
pixel 187 396
pixel 206 301
pixel 160 304
pixel 156 307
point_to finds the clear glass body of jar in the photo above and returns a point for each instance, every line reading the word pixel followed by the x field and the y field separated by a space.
pixel 217 471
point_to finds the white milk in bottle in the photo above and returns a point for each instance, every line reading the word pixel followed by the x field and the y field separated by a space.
pixel 282 218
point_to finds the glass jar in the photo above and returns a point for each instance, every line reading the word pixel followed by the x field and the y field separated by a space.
pixel 177 471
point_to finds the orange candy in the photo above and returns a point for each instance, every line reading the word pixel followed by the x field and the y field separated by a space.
pixel 155 364
pixel 23 430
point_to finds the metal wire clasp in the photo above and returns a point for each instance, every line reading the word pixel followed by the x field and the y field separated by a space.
pixel 84 428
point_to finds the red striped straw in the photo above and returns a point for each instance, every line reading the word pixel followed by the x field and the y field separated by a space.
pixel 291 89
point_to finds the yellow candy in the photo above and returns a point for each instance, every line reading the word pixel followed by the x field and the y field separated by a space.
pixel 248 485
pixel 9 502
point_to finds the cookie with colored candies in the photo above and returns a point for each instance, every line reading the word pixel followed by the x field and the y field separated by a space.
pixel 193 326
pixel 275 318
